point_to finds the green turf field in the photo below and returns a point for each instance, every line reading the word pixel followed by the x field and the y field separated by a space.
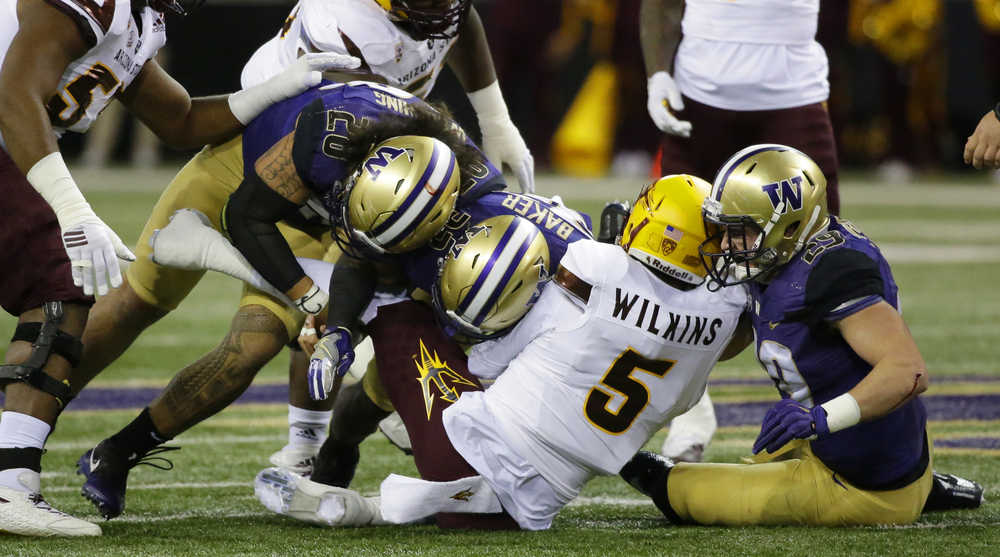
pixel 940 236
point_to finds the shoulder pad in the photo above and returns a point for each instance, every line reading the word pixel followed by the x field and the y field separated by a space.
pixel 595 262
pixel 95 18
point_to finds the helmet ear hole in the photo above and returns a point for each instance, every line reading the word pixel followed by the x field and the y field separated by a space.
pixel 792 229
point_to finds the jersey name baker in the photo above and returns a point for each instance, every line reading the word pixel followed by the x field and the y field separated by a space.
pixel 681 328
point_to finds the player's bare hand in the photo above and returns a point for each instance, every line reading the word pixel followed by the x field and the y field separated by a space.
pixel 982 150
pixel 663 96
pixel 310 333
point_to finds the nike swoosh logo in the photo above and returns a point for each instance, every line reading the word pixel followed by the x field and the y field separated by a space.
pixel 773 324
pixel 94 463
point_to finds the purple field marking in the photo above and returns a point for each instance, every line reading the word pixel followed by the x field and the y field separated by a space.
pixel 943 407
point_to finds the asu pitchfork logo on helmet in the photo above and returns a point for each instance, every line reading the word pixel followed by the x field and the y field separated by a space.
pixel 665 227
pixel 484 288
pixel 400 196
pixel 768 200
pixel 430 19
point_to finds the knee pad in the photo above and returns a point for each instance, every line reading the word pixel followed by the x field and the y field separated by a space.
pixel 46 339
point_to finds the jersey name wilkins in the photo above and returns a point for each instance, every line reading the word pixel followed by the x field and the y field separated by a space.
pixel 648 316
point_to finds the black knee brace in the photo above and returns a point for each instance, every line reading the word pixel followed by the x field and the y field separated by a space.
pixel 45 339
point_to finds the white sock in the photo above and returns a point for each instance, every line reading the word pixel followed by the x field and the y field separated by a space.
pixel 405 499
pixel 307 427
pixel 21 430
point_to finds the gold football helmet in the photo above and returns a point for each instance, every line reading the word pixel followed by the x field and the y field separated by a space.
pixel 665 227
pixel 429 19
pixel 768 200
pixel 485 286
pixel 399 197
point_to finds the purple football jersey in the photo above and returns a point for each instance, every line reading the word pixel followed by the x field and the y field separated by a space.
pixel 838 273
pixel 325 116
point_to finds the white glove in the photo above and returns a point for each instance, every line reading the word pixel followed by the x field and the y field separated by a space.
pixel 93 248
pixel 502 143
pixel 306 72
pixel 664 96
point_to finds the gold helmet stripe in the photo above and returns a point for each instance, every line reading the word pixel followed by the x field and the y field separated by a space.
pixel 735 160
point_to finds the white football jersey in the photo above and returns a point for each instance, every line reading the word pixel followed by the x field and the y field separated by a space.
pixel 119 47
pixel 582 387
pixel 357 27
pixel 751 54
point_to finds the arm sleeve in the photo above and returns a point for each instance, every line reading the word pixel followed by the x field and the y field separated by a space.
pixel 309 131
pixel 251 217
pixel 843 282
pixel 352 287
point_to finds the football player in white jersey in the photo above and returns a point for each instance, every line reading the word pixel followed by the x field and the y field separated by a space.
pixel 723 75
pixel 63 61
pixel 620 343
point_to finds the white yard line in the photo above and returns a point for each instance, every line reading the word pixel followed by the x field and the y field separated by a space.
pixel 183 442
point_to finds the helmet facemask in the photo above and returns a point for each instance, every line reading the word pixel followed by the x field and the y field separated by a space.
pixel 426 20
pixel 398 198
pixel 766 203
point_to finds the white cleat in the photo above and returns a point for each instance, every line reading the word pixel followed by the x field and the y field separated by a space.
pixel 394 429
pixel 298 458
pixel 185 242
pixel 290 494
pixel 27 514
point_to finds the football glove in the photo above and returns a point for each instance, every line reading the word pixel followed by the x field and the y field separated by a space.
pixel 502 143
pixel 93 248
pixel 662 97
pixel 304 73
pixel 331 359
pixel 789 420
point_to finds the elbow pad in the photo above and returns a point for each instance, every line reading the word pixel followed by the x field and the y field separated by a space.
pixel 250 217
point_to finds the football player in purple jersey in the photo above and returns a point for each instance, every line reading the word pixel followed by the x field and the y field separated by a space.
pixel 847 444
pixel 63 61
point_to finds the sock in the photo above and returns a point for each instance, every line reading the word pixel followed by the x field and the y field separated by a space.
pixel 22 430
pixel 307 427
pixel 21 440
pixel 139 436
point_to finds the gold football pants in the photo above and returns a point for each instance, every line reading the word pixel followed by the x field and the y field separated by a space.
pixel 791 487
pixel 205 183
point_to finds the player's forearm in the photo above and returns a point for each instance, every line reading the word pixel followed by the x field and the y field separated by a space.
pixel 660 33
pixel 470 56
pixel 208 121
pixel 25 126
pixel 894 381
pixel 352 287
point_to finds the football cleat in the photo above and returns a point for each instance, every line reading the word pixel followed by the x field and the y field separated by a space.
pixel 646 471
pixel 106 468
pixel 298 458
pixel 949 492
pixel 287 493
pixel 26 513
pixel 394 429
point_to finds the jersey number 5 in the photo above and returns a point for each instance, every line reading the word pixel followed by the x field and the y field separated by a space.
pixel 619 379
pixel 81 91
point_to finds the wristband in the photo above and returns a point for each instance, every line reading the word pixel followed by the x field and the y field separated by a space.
pixel 313 301
pixel 50 177
pixel 842 412
pixel 488 102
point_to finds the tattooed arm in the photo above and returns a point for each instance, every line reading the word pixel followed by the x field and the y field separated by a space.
pixel 272 192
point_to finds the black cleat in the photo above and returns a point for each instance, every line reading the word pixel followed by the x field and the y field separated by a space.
pixel 613 219
pixel 949 492
pixel 646 471
pixel 106 468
